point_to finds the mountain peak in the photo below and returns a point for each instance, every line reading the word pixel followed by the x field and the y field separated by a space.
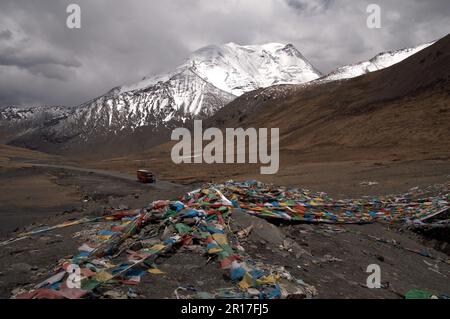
pixel 237 69
pixel 209 78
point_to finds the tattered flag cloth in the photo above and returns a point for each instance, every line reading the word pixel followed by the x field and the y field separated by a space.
pixel 201 218
pixel 293 204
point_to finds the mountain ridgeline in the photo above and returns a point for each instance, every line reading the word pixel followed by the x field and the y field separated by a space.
pixel 212 80
pixel 402 111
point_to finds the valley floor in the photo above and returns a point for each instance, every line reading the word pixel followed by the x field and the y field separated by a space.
pixel 335 258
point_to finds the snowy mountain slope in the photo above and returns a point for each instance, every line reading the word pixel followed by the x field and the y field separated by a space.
pixel 184 95
pixel 208 80
pixel 14 114
pixel 19 121
pixel 379 62
pixel 239 69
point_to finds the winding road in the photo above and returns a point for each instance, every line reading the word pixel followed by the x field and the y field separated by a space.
pixel 118 175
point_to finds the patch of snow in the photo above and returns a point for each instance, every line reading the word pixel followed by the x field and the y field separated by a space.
pixel 379 62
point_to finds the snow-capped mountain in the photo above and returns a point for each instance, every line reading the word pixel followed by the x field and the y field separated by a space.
pixel 16 121
pixel 18 113
pixel 30 116
pixel 379 62
pixel 239 69
pixel 208 79
pixel 183 95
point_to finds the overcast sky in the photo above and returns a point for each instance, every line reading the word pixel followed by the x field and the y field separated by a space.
pixel 44 62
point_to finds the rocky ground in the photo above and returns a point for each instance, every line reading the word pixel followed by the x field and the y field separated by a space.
pixel 333 259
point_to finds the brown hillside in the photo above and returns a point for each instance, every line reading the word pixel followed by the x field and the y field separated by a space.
pixel 406 105
pixel 392 126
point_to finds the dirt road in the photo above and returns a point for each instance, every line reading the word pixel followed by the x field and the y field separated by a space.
pixel 32 195
pixel 335 258
pixel 105 173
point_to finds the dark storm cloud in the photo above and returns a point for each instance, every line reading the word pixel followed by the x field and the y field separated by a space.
pixel 5 34
pixel 310 6
pixel 28 55
pixel 44 62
